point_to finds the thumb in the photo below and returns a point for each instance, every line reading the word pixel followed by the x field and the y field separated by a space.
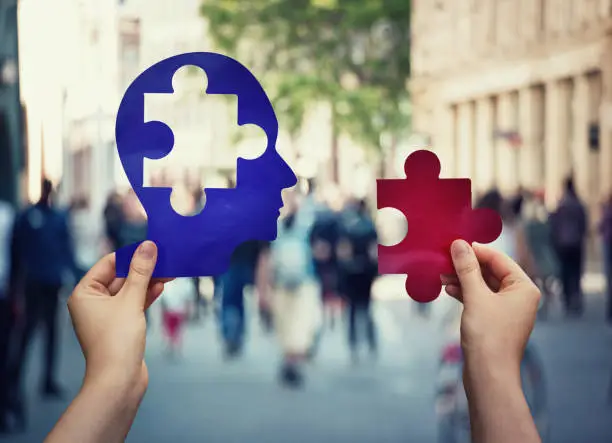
pixel 467 268
pixel 141 270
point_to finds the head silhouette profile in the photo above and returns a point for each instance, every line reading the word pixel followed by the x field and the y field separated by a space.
pixel 202 244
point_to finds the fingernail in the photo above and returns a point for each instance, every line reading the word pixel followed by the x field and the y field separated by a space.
pixel 147 250
pixel 459 249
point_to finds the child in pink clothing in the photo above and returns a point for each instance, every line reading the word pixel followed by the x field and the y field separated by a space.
pixel 176 302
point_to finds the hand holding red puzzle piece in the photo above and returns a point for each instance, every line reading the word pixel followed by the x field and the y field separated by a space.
pixel 438 212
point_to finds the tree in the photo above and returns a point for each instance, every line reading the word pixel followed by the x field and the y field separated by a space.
pixel 352 54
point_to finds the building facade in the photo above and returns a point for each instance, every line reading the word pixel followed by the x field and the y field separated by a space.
pixel 517 92
pixel 70 96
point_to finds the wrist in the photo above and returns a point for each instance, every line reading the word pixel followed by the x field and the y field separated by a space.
pixel 125 388
pixel 491 368
pixel 490 354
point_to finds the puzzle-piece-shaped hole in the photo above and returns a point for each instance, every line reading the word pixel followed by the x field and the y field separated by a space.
pixel 182 200
pixel 253 143
pixel 392 226
pixel 201 130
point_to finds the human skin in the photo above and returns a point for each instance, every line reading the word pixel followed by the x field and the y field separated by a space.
pixel 108 315
pixel 500 307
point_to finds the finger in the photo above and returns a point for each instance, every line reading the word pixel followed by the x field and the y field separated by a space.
pixel 500 266
pixel 467 267
pixel 141 270
pixel 455 292
pixel 449 279
pixel 118 283
pixel 100 276
pixel 492 282
pixel 116 286
pixel 153 293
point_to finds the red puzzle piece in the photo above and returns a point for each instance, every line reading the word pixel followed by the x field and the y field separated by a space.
pixel 438 212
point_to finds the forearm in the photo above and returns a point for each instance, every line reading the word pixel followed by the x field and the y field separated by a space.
pixel 498 409
pixel 102 412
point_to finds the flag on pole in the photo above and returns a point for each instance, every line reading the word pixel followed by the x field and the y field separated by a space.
pixel 512 137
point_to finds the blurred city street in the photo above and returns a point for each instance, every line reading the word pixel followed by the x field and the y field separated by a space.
pixel 120 122
pixel 201 397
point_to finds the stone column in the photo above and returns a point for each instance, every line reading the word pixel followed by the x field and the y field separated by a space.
pixel 531 15
pixel 489 23
pixel 506 154
pixel 452 163
pixel 513 149
pixel 605 121
pixel 483 176
pixel 566 18
pixel 444 140
pixel 595 101
pixel 531 153
pixel 465 142
pixel 605 8
pixel 556 141
pixel 590 11
pixel 580 135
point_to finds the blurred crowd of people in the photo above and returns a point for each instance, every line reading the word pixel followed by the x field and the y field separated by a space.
pixel 551 246
pixel 323 260
pixel 323 264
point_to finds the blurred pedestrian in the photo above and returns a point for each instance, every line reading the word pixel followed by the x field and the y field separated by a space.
pixel 87 241
pixel 357 256
pixel 241 273
pixel 295 291
pixel 230 288
pixel 176 304
pixel 114 218
pixel 324 237
pixel 516 202
pixel 605 229
pixel 512 240
pixel 197 203
pixel 538 237
pixel 7 314
pixel 44 257
pixel 133 227
pixel 569 231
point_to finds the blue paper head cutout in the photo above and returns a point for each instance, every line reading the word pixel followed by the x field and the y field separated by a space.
pixel 202 245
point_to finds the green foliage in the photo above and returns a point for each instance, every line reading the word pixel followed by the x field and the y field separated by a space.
pixel 308 49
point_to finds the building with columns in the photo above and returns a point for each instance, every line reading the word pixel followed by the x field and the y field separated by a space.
pixel 517 92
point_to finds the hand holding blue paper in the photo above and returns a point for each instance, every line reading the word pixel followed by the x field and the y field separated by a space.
pixel 202 244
